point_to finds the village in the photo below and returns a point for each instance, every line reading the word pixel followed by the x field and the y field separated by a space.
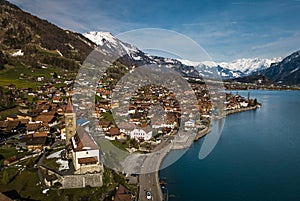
pixel 65 154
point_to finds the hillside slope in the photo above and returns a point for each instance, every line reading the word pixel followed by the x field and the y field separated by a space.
pixel 285 72
pixel 33 42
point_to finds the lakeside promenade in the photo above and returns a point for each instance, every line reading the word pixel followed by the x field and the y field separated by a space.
pixel 149 179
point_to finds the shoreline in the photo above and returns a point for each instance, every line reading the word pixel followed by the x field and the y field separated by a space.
pixel 200 135
pixel 228 112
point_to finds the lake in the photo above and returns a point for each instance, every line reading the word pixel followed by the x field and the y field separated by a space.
pixel 256 159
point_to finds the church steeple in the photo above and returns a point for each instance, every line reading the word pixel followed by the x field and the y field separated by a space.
pixel 70 122
pixel 69 108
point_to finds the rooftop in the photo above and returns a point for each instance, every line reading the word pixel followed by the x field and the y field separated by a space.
pixel 83 140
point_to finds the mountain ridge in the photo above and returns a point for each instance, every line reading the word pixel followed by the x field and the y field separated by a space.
pixel 44 44
pixel 39 41
pixel 134 56
pixel 286 72
pixel 237 68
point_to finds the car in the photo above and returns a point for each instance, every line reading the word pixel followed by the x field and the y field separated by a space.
pixel 148 195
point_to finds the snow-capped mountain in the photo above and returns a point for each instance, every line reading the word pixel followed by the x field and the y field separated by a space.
pixel 237 68
pixel 106 38
pixel 226 70
pixel 134 56
pixel 248 66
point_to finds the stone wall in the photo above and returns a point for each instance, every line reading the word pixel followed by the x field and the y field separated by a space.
pixel 89 169
pixel 81 181
pixel 75 181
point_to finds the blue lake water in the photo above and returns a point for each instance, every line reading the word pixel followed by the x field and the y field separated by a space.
pixel 256 159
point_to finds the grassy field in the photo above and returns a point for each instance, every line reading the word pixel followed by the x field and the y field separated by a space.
pixel 51 163
pixel 113 155
pixel 121 145
pixel 25 182
pixel 7 152
pixel 11 75
pixel 8 112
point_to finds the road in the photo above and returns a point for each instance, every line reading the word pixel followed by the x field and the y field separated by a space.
pixel 40 162
pixel 148 180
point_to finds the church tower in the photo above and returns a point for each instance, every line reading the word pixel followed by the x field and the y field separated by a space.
pixel 70 122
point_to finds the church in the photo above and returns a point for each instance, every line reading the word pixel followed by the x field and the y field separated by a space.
pixel 82 148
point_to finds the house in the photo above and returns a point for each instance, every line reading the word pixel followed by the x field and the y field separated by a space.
pixel 114 133
pixel 105 125
pixel 32 127
pixel 122 194
pixel 189 125
pixel 136 118
pixel 57 99
pixel 141 133
pixel 48 118
pixel 12 117
pixel 38 140
pixel 10 125
pixel 244 104
pixel 125 127
pixel 24 116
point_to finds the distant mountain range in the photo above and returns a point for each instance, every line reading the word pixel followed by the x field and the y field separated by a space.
pixel 285 72
pixel 227 70
pixel 237 68
pixel 29 41
pixel 261 71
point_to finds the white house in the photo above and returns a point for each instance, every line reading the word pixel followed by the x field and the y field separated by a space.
pixel 189 125
pixel 244 104
pixel 139 133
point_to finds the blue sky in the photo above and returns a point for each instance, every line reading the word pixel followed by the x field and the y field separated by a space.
pixel 227 30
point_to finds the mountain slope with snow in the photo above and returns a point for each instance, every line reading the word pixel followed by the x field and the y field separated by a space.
pixel 133 56
pixel 248 66
pixel 237 68
pixel 285 72
pixel 106 38
pixel 226 70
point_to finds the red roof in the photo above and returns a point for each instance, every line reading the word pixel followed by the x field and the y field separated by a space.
pixel 45 118
pixel 84 140
pixel 87 160
pixel 70 106
pixel 123 194
pixel 114 131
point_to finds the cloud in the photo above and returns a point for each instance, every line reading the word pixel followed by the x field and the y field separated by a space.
pixel 80 16
pixel 282 46
pixel 162 40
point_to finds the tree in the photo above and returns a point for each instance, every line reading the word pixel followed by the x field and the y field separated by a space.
pixel 255 101
pixel 3 60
